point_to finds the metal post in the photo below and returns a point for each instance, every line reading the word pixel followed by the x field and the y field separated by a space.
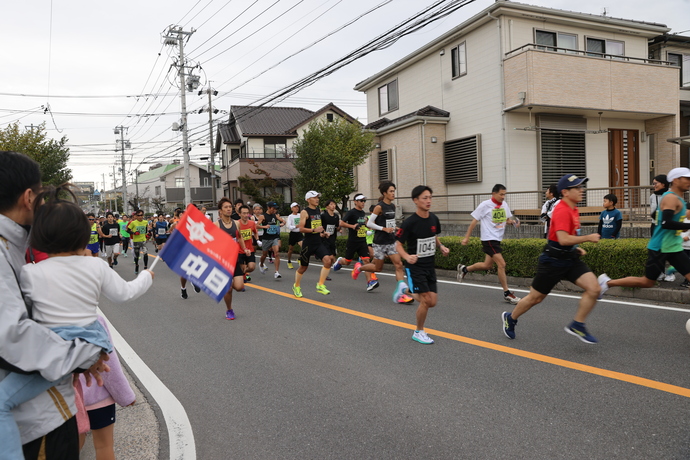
pixel 185 139
pixel 124 177
pixel 211 146
pixel 136 182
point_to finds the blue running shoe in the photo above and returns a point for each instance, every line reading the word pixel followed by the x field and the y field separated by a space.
pixel 580 331
pixel 336 265
pixel 229 314
pixel 371 285
pixel 508 325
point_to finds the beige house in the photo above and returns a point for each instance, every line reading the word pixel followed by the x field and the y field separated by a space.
pixel 520 95
pixel 263 137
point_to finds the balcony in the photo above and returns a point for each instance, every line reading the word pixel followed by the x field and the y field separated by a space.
pixel 269 154
pixel 575 81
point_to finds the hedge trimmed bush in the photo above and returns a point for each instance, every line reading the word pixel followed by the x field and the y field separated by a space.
pixel 617 258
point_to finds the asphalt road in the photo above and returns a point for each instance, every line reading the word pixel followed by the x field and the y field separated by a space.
pixel 339 377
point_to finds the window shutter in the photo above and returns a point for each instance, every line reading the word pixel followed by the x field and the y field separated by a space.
pixel 462 160
pixel 383 166
pixel 562 148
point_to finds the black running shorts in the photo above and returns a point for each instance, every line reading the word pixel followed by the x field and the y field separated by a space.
pixel 656 263
pixel 491 247
pixel 549 275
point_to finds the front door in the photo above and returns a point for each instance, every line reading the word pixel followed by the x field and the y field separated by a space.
pixel 624 165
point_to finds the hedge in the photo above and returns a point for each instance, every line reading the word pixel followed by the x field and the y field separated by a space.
pixel 617 258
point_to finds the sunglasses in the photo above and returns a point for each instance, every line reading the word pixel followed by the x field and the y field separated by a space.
pixel 91 218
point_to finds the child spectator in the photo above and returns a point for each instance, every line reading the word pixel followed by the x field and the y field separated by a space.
pixel 100 403
pixel 610 219
pixel 62 293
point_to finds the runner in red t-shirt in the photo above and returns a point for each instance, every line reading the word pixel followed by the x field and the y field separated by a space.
pixel 561 260
pixel 248 232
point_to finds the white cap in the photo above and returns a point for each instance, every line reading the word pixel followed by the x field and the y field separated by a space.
pixel 359 196
pixel 675 173
pixel 294 204
pixel 311 194
pixel 167 215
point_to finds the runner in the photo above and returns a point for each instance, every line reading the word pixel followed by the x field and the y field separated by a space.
pixel 183 281
pixel 236 210
pixel 228 225
pixel 295 237
pixel 94 246
pixel 420 233
pixel 247 229
pixel 111 238
pixel 161 230
pixel 493 215
pixel 561 260
pixel 355 220
pixel 138 229
pixel 666 243
pixel 101 244
pixel 271 224
pixel 331 223
pixel 124 234
pixel 382 221
pixel 310 225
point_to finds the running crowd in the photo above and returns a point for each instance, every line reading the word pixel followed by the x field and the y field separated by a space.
pixel 50 329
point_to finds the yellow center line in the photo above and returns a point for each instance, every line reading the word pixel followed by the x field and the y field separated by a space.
pixel 668 388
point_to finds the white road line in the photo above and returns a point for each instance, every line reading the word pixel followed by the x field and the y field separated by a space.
pixel 567 296
pixel 182 446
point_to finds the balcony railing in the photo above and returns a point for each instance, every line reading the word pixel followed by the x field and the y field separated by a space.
pixel 557 49
pixel 264 154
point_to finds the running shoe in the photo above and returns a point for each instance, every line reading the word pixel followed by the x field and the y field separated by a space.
pixel 421 337
pixel 229 314
pixel 276 275
pixel 328 278
pixel 136 269
pixel 114 261
pixel 400 289
pixel 290 265
pixel 371 285
pixel 336 265
pixel 297 291
pixel 405 299
pixel 508 325
pixel 670 278
pixel 511 298
pixel 356 271
pixel 462 272
pixel 156 249
pixel 685 284
pixel 124 255
pixel 247 278
pixel 262 269
pixel 321 289
pixel 183 293
pixel 603 283
pixel 197 289
pixel 580 331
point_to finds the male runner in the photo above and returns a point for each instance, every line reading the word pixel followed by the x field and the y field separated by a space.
pixel 94 246
pixel 561 260
pixel 294 236
pixel 138 228
pixel 382 221
pixel 228 225
pixel 236 210
pixel 161 230
pixel 331 224
pixel 420 233
pixel 310 225
pixel 110 232
pixel 124 234
pixel 666 243
pixel 248 232
pixel 493 214
pixel 271 224
pixel 355 219
pixel 183 281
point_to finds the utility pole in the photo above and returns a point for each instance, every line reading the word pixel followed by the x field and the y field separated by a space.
pixel 114 187
pixel 102 197
pixel 176 36
pixel 121 131
pixel 136 185
pixel 211 92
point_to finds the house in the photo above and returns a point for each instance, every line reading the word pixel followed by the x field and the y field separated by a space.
pixel 263 138
pixel 520 95
pixel 165 183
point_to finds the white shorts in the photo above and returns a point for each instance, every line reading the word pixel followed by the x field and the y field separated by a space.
pixel 112 249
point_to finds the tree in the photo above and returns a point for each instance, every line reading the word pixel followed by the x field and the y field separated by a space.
pixel 51 155
pixel 260 190
pixel 327 156
pixel 158 203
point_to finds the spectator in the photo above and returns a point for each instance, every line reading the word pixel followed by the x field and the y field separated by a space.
pixel 610 219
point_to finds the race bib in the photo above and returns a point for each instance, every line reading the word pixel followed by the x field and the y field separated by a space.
pixel 161 231
pixel 246 234
pixel 274 229
pixel 390 223
pixel 426 246
pixel 498 217
pixel 330 229
pixel 362 231
pixel 315 223
pixel 112 232
pixel 297 219
pixel 141 228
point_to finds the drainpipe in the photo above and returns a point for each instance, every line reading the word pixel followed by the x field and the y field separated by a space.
pixel 503 114
pixel 424 154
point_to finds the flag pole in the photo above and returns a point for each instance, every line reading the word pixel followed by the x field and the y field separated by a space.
pixel 153 265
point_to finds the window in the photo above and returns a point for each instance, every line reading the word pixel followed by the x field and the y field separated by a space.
pixel 596 47
pixel 179 182
pixel 284 190
pixel 206 182
pixel 462 160
pixel 682 61
pixel 553 40
pixel 458 57
pixel 274 147
pixel 388 97
pixel 562 148
pixel 158 189
pixel 329 117
pixel 383 166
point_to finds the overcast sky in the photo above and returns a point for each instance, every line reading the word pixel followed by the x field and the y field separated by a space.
pixel 89 61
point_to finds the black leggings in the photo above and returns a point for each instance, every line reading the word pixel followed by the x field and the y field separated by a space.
pixel 137 252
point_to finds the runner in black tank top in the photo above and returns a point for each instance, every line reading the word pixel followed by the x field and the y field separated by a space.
pixel 382 221
pixel 310 224
pixel 228 225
